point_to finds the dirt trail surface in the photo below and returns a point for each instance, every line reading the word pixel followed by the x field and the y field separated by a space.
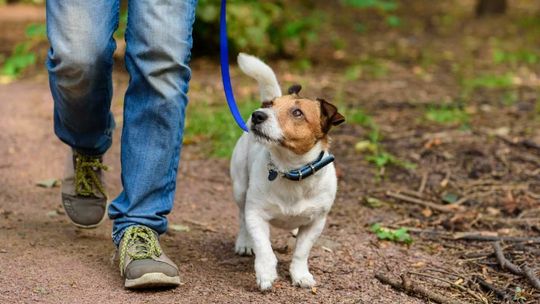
pixel 44 258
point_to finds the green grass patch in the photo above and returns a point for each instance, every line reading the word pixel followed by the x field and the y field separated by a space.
pixel 515 57
pixel 447 115
pixel 366 67
pixel 489 81
pixel 214 124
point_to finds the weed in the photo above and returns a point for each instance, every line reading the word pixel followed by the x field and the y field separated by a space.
pixel 400 235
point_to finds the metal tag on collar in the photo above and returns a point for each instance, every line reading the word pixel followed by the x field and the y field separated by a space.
pixel 272 174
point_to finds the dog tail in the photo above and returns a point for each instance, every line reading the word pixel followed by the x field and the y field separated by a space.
pixel 261 72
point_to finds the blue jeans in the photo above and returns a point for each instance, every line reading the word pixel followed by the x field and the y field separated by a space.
pixel 80 60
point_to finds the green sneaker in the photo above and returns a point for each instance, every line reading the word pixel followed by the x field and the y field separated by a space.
pixel 142 261
pixel 83 191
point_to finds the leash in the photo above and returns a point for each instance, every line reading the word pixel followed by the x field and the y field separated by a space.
pixel 224 61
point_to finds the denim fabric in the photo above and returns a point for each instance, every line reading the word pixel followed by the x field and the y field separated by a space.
pixel 159 41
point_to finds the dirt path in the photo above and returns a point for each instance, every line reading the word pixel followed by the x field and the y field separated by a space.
pixel 43 258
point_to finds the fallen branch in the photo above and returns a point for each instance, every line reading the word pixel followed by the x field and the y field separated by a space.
pixel 500 293
pixel 531 276
pixel 492 238
pixel 414 290
pixel 524 271
pixel 503 262
pixel 424 203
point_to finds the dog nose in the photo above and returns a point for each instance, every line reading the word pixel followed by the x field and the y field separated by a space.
pixel 258 117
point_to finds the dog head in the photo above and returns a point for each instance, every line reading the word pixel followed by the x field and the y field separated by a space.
pixel 294 122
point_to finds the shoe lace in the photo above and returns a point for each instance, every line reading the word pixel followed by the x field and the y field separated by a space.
pixel 144 243
pixel 87 182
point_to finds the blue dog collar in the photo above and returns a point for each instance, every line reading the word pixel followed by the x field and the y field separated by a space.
pixel 302 172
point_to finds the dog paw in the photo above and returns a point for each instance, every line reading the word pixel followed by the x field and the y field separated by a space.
pixel 304 279
pixel 243 247
pixel 265 281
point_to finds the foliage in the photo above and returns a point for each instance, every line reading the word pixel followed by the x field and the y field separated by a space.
pixel 400 235
pixel 260 27
pixel 23 56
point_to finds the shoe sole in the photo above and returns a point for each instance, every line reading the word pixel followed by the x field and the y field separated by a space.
pixel 152 280
pixel 93 226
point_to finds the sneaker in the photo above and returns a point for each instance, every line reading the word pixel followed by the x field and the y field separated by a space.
pixel 83 190
pixel 142 261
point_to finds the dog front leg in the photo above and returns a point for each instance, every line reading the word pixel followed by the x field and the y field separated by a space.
pixel 307 236
pixel 265 259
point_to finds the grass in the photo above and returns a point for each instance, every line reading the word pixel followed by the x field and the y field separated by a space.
pixel 214 124
pixel 447 115
pixel 366 67
pixel 489 81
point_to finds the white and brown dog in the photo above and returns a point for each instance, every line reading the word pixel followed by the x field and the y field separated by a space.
pixel 283 174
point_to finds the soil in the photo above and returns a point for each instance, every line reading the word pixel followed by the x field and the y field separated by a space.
pixel 494 164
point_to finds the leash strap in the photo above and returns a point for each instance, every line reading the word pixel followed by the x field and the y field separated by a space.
pixel 224 60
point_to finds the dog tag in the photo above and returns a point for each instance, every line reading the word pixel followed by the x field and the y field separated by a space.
pixel 272 175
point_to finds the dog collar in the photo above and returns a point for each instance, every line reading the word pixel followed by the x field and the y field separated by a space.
pixel 302 172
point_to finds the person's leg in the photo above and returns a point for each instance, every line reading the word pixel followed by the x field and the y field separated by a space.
pixel 79 64
pixel 159 41
pixel 158 37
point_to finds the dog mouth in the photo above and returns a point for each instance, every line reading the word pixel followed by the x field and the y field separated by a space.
pixel 263 136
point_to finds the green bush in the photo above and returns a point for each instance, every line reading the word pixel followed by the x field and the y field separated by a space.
pixel 259 27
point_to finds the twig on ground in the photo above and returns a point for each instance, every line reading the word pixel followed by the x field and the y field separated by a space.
pixel 423 183
pixel 531 276
pixel 457 286
pixel 414 290
pixel 524 271
pixel 491 238
pixel 499 293
pixel 204 226
pixel 503 262
pixel 424 203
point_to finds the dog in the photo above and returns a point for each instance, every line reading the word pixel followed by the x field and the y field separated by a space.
pixel 282 174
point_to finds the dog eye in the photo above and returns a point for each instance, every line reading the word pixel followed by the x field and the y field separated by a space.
pixel 297 113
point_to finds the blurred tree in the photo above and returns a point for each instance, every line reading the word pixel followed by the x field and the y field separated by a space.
pixel 491 7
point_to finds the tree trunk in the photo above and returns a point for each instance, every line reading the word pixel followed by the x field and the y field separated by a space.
pixel 490 7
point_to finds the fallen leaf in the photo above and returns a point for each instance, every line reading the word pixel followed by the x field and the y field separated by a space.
pixel 48 183
pixel 373 202
pixel 179 228
pixel 327 249
pixel 418 264
pixel 314 290
pixel 364 145
pixel 450 198
pixel 426 212
pixel 52 213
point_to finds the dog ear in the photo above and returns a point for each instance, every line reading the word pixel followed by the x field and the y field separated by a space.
pixel 294 89
pixel 329 115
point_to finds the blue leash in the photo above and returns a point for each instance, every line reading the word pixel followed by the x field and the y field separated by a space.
pixel 224 60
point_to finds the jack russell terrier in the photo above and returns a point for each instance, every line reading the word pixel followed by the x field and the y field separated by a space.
pixel 282 174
